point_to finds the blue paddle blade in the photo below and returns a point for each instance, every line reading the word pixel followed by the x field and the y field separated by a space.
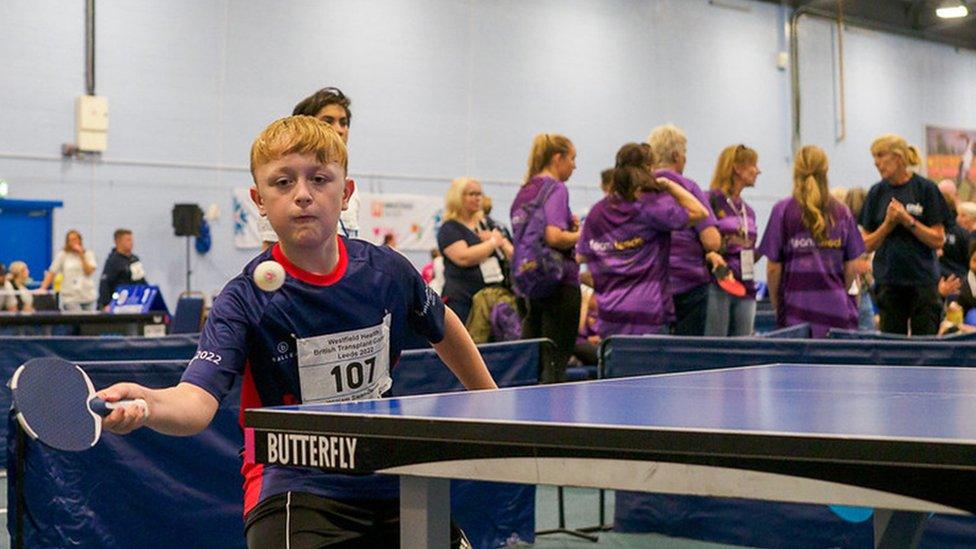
pixel 51 398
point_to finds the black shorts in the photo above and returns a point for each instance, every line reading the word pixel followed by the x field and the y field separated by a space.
pixel 299 520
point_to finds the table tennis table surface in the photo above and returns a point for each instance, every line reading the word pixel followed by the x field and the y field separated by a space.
pixel 781 418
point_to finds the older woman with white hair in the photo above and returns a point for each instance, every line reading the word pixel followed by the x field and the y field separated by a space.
pixel 688 275
pixel 904 217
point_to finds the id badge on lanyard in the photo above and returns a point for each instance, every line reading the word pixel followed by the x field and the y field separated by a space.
pixel 748 261
pixel 351 365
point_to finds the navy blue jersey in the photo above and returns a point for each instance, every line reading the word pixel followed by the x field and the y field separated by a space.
pixel 373 294
pixel 902 259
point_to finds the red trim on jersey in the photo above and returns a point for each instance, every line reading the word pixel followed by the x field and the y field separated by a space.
pixel 312 278
pixel 253 472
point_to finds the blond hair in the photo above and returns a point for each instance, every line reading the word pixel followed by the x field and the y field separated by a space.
pixel 810 190
pixel 896 144
pixel 18 271
pixel 731 157
pixel 544 147
pixel 855 200
pixel 454 199
pixel 665 142
pixel 298 135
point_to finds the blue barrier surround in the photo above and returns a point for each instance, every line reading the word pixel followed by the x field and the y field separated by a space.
pixel 151 490
pixel 760 523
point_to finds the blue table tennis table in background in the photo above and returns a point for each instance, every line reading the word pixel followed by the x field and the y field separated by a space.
pixel 901 439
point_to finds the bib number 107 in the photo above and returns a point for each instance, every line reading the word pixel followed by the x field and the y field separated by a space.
pixel 352 376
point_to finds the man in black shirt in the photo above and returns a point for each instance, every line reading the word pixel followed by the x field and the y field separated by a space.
pixel 122 267
pixel 905 217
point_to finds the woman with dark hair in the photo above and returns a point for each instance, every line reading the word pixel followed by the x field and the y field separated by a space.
pixel 76 265
pixel 626 241
pixel 811 245
pixel 552 161
pixel 737 169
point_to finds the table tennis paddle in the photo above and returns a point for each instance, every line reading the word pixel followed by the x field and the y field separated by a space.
pixel 55 403
pixel 726 280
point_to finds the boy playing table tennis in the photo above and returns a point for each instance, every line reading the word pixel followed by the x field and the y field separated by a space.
pixel 331 332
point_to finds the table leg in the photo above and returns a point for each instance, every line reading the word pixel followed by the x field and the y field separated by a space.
pixel 425 512
pixel 901 529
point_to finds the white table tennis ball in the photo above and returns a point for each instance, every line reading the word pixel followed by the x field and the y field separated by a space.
pixel 269 275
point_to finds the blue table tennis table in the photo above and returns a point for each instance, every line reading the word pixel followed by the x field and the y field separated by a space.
pixel 899 439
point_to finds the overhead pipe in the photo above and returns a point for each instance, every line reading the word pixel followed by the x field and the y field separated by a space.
pixel 854 21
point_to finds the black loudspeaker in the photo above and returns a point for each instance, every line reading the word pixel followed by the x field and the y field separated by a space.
pixel 187 219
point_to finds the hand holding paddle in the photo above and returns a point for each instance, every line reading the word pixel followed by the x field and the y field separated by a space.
pixel 55 403
pixel 726 280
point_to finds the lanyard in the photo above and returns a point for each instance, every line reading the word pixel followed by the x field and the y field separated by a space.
pixel 743 215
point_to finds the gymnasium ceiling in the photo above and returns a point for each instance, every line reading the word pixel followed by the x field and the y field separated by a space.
pixel 910 17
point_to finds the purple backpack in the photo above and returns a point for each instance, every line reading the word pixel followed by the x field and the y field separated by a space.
pixel 537 269
pixel 506 325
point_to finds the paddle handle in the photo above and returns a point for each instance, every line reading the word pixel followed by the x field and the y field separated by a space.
pixel 104 408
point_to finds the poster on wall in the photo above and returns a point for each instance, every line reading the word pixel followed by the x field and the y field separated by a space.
pixel 412 220
pixel 949 155
pixel 247 235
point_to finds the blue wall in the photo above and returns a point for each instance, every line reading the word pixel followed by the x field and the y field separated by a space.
pixel 441 88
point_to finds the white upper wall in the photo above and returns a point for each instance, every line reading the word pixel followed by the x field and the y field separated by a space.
pixel 440 88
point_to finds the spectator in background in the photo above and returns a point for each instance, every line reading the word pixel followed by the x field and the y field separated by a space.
pixel 389 240
pixel 76 265
pixel 737 169
pixel 854 200
pixel 470 262
pixel 626 243
pixel 552 160
pixel 19 298
pixel 811 244
pixel 954 254
pixel 905 217
pixel 689 273
pixel 606 181
pixel 331 106
pixel 966 216
pixel 121 267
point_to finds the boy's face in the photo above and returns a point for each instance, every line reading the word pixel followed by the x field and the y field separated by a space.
pixel 302 198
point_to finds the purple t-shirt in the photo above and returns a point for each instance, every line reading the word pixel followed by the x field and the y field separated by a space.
pixel 737 225
pixel 558 215
pixel 688 269
pixel 812 285
pixel 626 246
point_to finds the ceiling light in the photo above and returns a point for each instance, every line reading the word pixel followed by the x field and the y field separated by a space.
pixel 952 11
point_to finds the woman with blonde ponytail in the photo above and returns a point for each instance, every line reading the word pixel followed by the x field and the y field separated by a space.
pixel 552 161
pixel 904 217
pixel 811 246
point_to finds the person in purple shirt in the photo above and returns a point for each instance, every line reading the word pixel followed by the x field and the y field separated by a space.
pixel 626 242
pixel 689 274
pixel 553 159
pixel 737 168
pixel 811 245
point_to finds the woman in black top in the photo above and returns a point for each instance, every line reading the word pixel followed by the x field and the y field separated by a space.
pixel 471 255
pixel 904 217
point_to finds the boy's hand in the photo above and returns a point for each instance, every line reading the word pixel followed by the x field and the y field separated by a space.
pixel 126 419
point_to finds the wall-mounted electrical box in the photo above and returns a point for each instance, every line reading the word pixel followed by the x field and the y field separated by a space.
pixel 91 123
